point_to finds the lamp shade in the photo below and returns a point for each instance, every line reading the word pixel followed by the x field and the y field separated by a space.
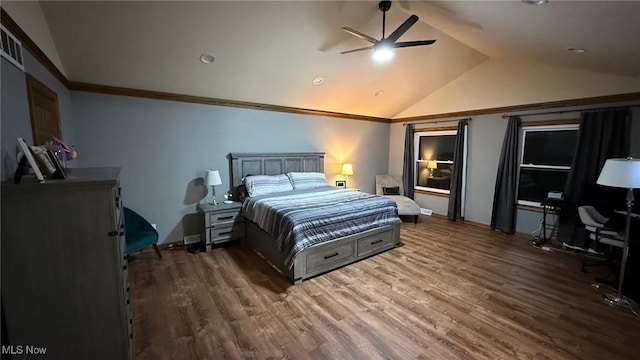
pixel 621 173
pixel 432 165
pixel 212 178
pixel 347 169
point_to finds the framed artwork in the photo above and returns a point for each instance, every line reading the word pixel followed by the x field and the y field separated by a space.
pixel 341 184
pixel 27 157
pixel 42 158
pixel 59 173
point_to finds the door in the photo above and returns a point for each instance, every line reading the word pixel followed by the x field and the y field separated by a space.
pixel 43 107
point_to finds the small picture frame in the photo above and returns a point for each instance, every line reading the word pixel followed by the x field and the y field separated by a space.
pixel 27 157
pixel 341 184
pixel 59 173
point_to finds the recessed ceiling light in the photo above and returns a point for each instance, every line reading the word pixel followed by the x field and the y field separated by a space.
pixel 577 50
pixel 317 81
pixel 378 92
pixel 207 58
pixel 534 2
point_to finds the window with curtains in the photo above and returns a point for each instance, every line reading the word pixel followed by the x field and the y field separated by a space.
pixel 434 160
pixel 545 160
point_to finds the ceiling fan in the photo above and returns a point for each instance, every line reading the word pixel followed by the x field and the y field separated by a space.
pixel 382 48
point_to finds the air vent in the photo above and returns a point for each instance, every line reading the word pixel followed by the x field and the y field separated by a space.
pixel 11 48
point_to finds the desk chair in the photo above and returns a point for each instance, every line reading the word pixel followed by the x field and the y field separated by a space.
pixel 138 233
pixel 391 186
pixel 594 223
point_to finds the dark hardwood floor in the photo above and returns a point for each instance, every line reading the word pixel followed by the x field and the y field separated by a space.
pixel 450 291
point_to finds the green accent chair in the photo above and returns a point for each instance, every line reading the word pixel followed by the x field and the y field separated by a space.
pixel 138 233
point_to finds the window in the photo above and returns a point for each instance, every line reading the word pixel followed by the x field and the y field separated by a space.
pixel 434 160
pixel 545 160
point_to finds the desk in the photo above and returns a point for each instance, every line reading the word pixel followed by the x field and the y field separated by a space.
pixel 549 207
pixel 624 212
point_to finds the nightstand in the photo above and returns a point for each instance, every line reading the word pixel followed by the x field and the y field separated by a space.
pixel 222 223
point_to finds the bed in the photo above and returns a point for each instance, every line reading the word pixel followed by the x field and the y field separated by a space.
pixel 373 225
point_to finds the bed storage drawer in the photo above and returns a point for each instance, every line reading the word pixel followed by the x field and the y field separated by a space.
pixel 375 243
pixel 325 256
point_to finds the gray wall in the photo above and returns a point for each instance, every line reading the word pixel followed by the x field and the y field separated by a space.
pixel 14 112
pixel 164 148
pixel 486 134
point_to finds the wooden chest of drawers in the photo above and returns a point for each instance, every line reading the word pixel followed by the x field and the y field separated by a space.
pixel 65 283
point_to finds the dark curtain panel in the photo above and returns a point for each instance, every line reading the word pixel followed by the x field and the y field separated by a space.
pixel 409 165
pixel 455 196
pixel 603 134
pixel 503 215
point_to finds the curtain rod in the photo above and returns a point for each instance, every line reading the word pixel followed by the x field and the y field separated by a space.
pixel 505 116
pixel 435 121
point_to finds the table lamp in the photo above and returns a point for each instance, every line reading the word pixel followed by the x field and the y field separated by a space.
pixel 621 173
pixel 212 178
pixel 347 169
pixel 431 165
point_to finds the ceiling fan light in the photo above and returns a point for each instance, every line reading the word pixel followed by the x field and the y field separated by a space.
pixel 382 53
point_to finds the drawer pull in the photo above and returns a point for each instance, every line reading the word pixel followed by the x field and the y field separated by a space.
pixel 225 217
pixel 225 232
pixel 330 256
pixel 377 241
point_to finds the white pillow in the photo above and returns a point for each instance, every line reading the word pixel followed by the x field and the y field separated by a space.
pixel 264 184
pixel 307 180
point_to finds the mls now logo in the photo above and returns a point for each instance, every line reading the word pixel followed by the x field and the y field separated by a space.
pixel 23 350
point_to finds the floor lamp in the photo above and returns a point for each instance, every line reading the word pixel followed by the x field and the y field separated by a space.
pixel 621 173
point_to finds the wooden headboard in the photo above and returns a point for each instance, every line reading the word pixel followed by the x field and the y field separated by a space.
pixel 244 164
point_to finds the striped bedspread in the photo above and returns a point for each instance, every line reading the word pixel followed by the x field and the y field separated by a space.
pixel 302 218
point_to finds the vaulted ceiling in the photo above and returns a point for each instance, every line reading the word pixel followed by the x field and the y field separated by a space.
pixel 270 51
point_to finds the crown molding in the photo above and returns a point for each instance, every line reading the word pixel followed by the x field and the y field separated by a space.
pixel 526 107
pixel 148 94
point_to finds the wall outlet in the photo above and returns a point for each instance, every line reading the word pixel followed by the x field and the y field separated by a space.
pixel 426 211
pixel 191 239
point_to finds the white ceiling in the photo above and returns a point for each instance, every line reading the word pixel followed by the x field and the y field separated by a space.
pixel 270 51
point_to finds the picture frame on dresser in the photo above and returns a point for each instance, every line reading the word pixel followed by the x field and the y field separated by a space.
pixel 60 172
pixel 27 157
pixel 341 184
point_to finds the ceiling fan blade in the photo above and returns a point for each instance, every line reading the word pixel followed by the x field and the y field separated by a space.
pixel 360 35
pixel 413 43
pixel 354 50
pixel 402 28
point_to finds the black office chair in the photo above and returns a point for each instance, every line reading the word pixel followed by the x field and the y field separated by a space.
pixel 594 223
